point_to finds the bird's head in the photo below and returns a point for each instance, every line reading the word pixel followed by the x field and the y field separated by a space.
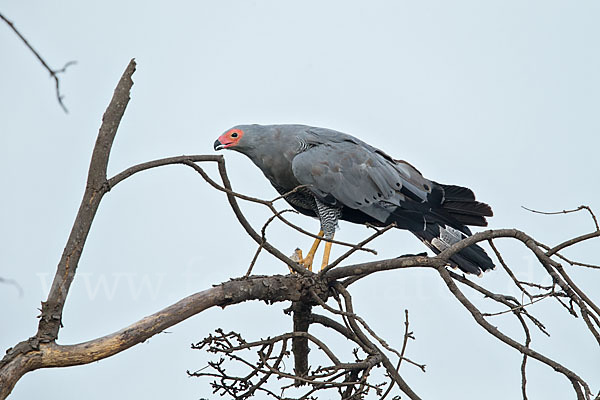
pixel 242 138
pixel 229 139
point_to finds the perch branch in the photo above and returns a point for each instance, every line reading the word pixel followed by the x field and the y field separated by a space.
pixel 46 355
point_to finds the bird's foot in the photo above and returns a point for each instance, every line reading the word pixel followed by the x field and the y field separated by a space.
pixel 305 262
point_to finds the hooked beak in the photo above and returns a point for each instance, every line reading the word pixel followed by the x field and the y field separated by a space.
pixel 218 145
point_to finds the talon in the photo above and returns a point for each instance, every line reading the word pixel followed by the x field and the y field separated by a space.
pixel 307 261
pixel 297 257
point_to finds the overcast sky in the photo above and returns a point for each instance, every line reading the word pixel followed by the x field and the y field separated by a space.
pixel 500 96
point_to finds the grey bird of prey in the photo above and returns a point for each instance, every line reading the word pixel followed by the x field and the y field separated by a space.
pixel 344 178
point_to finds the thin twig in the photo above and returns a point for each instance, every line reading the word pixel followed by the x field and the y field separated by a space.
pixel 582 207
pixel 263 234
pixel 231 197
pixel 367 327
pixel 13 283
pixel 509 302
pixel 573 377
pixel 359 246
pixel 371 347
pixel 519 307
pixel 580 264
pixel 283 196
pixel 575 240
pixel 53 72
pixel 269 204
pixel 407 335
pixel 507 269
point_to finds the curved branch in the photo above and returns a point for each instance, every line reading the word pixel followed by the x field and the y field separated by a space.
pixel 443 257
pixel 121 176
pixel 231 196
pixel 574 378
pixel 330 323
pixel 269 205
pixel 272 289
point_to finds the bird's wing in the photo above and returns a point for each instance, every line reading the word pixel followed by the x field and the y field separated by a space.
pixel 341 169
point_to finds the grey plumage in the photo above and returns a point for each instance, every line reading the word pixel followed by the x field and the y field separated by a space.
pixel 348 179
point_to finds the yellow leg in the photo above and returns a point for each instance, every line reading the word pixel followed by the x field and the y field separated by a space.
pixel 308 260
pixel 326 254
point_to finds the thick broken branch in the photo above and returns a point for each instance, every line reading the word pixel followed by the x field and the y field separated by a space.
pixel 17 362
pixel 96 188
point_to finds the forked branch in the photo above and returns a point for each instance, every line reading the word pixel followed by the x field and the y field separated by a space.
pixel 53 72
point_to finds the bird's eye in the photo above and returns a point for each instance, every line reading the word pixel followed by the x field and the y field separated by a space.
pixel 234 134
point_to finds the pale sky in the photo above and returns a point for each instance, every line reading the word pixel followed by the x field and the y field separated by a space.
pixel 499 96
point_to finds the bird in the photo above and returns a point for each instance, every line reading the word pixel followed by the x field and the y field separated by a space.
pixel 335 176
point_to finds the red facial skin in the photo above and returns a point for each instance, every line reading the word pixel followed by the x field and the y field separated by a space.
pixel 231 137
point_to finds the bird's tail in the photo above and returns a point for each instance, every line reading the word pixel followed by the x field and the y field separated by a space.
pixel 438 237
pixel 447 224
pixel 460 204
pixel 442 221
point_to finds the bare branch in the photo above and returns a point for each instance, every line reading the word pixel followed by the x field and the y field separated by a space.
pixel 575 240
pixel 509 302
pixel 571 262
pixel 508 270
pixel 96 188
pixel 53 72
pixel 574 378
pixel 342 376
pixel 263 234
pixel 407 335
pixel 582 207
pixel 13 283
pixel 336 262
pixel 270 205
pixel 372 348
pixel 45 355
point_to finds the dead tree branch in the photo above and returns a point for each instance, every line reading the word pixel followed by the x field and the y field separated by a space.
pixel 577 382
pixel 96 187
pixel 13 283
pixel 18 361
pixel 53 72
